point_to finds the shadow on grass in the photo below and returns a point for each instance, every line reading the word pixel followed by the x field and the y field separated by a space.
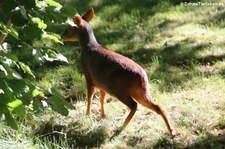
pixel 210 142
pixel 176 64
pixel 71 136
pixel 126 6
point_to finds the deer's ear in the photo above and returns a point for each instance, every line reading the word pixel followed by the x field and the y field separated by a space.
pixel 78 21
pixel 88 15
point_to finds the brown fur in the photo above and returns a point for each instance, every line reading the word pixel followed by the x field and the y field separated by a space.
pixel 111 72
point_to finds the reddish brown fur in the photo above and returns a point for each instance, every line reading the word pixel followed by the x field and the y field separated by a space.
pixel 78 21
pixel 111 72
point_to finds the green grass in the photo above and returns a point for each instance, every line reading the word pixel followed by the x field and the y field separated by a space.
pixel 182 50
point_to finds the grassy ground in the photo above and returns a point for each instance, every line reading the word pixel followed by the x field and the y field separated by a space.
pixel 182 48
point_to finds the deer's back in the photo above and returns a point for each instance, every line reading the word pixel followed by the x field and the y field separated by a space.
pixel 111 71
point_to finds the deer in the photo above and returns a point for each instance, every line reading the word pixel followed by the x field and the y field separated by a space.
pixel 110 72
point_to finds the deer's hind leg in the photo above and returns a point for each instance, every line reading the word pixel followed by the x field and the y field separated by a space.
pixel 128 101
pixel 152 105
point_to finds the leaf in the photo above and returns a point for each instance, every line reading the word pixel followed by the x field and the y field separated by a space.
pixel 18 18
pixel 8 30
pixel 53 3
pixel 15 103
pixel 38 56
pixel 35 106
pixel 14 33
pixel 6 97
pixel 26 69
pixel 7 7
pixel 56 104
pixel 23 12
pixel 4 85
pixel 9 119
pixel 4 70
pixel 69 11
pixel 31 32
pixel 28 4
pixel 61 99
pixel 52 55
pixel 22 90
pixel 11 73
pixel 11 56
pixel 39 22
pixel 62 58
pixel 52 36
pixel 7 61
pixel 20 110
pixel 54 92
pixel 39 4
pixel 1 91
pixel 36 92
pixel 7 94
pixel 14 74
pixel 4 28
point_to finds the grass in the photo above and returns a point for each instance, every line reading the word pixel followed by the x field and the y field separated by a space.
pixel 182 50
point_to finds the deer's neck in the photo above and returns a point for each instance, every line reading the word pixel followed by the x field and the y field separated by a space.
pixel 87 39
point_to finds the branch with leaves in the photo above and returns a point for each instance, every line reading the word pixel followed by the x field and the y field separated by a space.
pixel 25 26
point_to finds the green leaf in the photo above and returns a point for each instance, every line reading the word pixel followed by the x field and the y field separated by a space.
pixel 26 69
pixel 1 91
pixel 39 22
pixel 39 4
pixel 62 58
pixel 51 36
pixel 28 4
pixel 11 56
pixel 38 56
pixel 15 103
pixel 22 90
pixel 3 70
pixel 15 74
pixel 36 92
pixel 56 104
pixel 6 97
pixel 4 28
pixel 20 110
pixel 6 61
pixel 54 92
pixel 69 11
pixel 61 99
pixel 14 33
pixel 31 32
pixel 53 3
pixel 52 55
pixel 8 30
pixel 4 86
pixel 7 7
pixel 7 94
pixel 18 18
pixel 23 12
pixel 11 73
pixel 9 119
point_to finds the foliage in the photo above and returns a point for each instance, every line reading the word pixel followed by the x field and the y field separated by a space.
pixel 25 28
